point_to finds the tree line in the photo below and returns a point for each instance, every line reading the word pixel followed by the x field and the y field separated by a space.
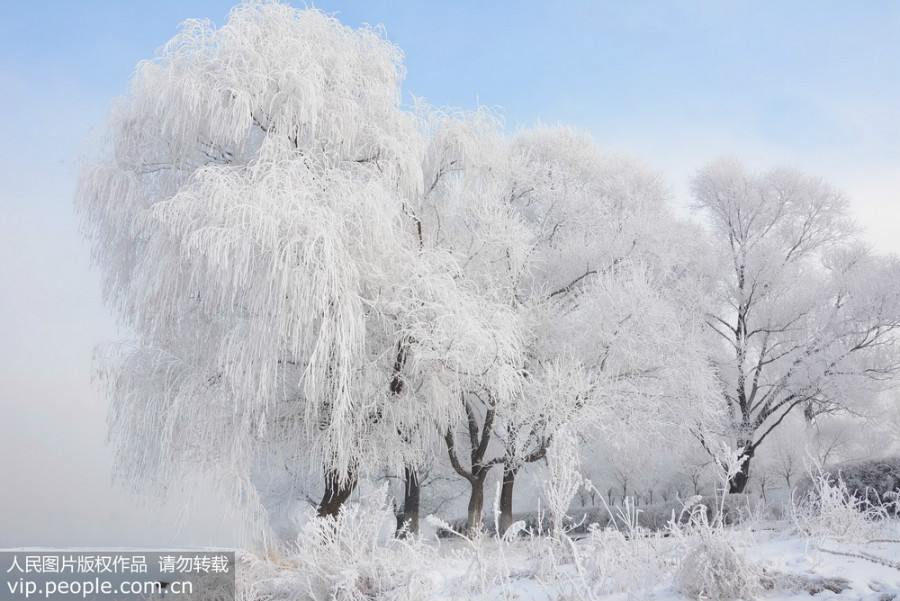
pixel 320 276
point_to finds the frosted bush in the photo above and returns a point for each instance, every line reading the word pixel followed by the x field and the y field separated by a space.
pixel 349 558
pixel 563 479
pixel 830 509
pixel 875 480
pixel 713 567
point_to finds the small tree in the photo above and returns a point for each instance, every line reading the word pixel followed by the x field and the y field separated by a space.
pixel 563 480
pixel 806 316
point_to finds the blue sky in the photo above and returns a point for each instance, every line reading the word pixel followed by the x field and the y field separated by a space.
pixel 813 83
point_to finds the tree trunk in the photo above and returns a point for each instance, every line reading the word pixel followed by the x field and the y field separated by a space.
pixel 506 499
pixel 408 519
pixel 739 482
pixel 476 505
pixel 336 493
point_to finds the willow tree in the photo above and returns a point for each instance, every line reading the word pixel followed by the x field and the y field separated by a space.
pixel 250 208
pixel 807 317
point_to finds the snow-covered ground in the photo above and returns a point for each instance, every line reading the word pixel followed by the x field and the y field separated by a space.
pixel 790 553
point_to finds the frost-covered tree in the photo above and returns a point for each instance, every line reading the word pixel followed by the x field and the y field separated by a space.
pixel 252 208
pixel 607 304
pixel 464 210
pixel 616 343
pixel 807 317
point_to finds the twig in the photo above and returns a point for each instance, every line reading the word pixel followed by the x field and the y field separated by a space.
pixel 863 555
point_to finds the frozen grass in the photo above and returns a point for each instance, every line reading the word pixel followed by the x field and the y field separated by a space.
pixel 355 558
pixel 350 558
pixel 608 564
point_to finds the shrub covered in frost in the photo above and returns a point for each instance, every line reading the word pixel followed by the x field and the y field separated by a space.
pixel 713 567
pixel 350 558
pixel 830 508
pixel 876 481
